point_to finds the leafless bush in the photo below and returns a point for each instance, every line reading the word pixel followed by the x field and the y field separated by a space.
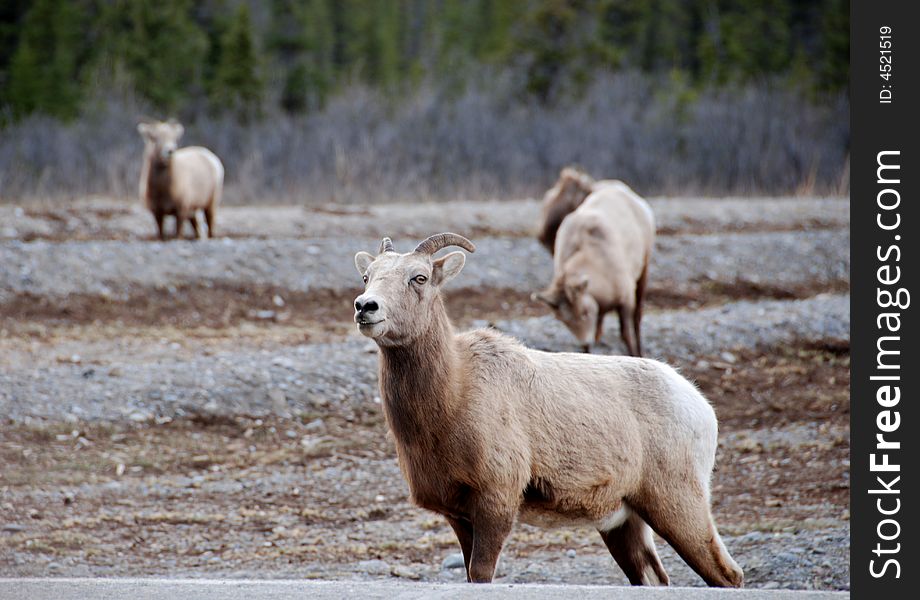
pixel 480 142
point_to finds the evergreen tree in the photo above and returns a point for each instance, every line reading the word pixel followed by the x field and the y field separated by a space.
pixel 548 39
pixel 160 47
pixel 834 62
pixel 317 66
pixel 384 57
pixel 746 39
pixel 496 25
pixel 237 85
pixel 193 55
pixel 11 14
pixel 44 68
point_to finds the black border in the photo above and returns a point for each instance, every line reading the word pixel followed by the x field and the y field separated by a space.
pixel 877 127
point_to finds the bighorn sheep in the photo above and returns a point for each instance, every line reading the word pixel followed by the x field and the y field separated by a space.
pixel 601 264
pixel 570 190
pixel 178 182
pixel 489 432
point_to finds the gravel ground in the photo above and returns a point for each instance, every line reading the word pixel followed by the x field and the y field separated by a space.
pixel 256 448
pixel 114 269
pixel 117 379
pixel 112 219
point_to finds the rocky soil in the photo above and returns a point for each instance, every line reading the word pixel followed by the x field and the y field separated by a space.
pixel 203 408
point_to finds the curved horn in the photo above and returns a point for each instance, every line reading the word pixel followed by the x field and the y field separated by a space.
pixel 443 240
pixel 386 245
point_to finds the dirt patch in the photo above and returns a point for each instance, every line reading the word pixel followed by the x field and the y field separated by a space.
pixel 325 314
pixel 58 228
pixel 109 219
pixel 697 294
pixel 788 384
pixel 784 419
pixel 691 226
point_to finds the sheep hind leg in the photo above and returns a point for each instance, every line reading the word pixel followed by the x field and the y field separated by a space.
pixel 180 221
pixel 684 521
pixel 210 220
pixel 627 314
pixel 631 545
pixel 464 531
pixel 637 314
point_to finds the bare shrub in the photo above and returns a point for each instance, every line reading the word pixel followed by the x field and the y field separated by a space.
pixel 438 143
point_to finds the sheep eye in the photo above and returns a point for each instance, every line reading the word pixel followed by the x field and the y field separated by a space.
pixel 365 279
pixel 419 279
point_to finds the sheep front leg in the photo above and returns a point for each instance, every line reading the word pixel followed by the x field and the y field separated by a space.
pixel 489 534
pixel 599 328
pixel 464 531
pixel 182 216
pixel 159 215
pixel 193 219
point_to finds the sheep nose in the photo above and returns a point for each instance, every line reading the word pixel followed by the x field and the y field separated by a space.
pixel 366 305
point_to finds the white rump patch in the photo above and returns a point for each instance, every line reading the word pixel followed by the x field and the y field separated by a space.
pixel 548 519
pixel 216 165
pixel 614 519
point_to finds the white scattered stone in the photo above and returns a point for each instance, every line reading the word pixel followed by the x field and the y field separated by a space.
pixel 283 361
pixel 279 403
pixel 453 561
pixel 315 425
pixel 374 567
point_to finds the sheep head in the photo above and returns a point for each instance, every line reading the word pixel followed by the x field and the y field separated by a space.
pixel 402 291
pixel 573 305
pixel 161 138
pixel 570 190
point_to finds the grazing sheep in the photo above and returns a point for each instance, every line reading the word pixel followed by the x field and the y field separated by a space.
pixel 570 190
pixel 489 432
pixel 601 264
pixel 178 181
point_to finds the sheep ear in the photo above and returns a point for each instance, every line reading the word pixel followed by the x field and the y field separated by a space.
pixel 362 261
pixel 177 128
pixel 548 297
pixel 143 129
pixel 446 268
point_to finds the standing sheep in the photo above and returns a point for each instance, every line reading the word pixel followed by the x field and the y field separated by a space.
pixel 489 432
pixel 178 181
pixel 601 264
pixel 570 190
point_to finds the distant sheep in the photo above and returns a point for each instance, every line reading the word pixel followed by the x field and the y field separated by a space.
pixel 489 433
pixel 176 181
pixel 570 190
pixel 601 261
